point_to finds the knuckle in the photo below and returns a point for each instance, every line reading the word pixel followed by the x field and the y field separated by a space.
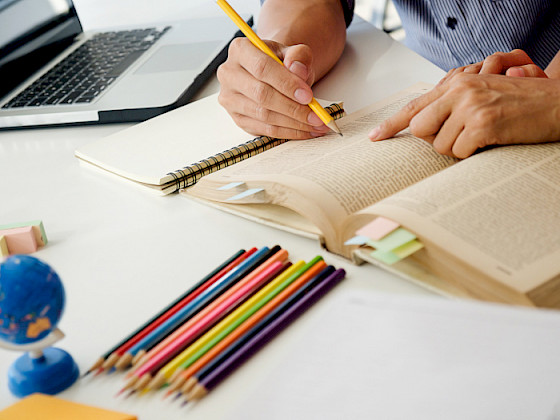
pixel 260 66
pixel 262 113
pixel 262 93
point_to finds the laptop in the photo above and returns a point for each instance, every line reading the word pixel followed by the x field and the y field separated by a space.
pixel 54 73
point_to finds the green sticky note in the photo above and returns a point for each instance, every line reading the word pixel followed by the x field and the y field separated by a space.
pixel 386 257
pixel 407 249
pixel 393 240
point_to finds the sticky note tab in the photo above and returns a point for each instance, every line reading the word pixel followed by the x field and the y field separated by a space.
pixel 357 240
pixel 230 186
pixel 20 240
pixel 398 237
pixel 244 194
pixel 3 247
pixel 386 257
pixel 38 229
pixel 378 228
pixel 46 407
pixel 407 249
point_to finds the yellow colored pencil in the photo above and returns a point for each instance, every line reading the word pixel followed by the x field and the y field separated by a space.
pixel 261 45
pixel 229 323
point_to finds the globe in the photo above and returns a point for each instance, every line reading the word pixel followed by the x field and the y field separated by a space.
pixel 31 299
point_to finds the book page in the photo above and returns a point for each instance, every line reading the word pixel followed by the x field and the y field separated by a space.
pixel 375 356
pixel 329 178
pixel 498 210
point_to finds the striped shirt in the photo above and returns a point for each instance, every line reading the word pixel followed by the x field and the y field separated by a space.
pixel 456 33
pixel 453 33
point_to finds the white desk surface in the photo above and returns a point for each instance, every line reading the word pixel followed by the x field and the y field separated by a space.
pixel 123 254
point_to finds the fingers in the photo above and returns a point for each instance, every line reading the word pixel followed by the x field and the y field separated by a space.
pixel 265 97
pixel 528 70
pixel 499 62
pixel 402 119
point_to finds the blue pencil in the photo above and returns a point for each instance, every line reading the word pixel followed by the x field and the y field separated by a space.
pixel 135 353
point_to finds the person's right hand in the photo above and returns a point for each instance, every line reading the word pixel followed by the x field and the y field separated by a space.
pixel 266 98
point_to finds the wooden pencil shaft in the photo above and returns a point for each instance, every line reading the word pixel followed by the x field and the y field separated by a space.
pixel 186 371
pixel 171 305
pixel 271 330
pixel 200 313
pixel 162 353
pixel 210 291
pixel 267 320
pixel 238 317
pixel 220 311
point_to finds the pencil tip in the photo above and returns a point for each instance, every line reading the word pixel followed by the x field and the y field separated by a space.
pixel 99 372
pixel 86 374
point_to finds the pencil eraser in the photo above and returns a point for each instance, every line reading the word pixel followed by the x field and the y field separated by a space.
pixel 20 240
pixel 3 247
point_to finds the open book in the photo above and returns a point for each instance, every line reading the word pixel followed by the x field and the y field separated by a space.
pixel 489 224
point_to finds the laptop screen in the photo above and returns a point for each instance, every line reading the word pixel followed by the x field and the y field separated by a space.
pixel 33 32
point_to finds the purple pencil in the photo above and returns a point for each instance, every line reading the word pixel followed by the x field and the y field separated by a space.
pixel 251 347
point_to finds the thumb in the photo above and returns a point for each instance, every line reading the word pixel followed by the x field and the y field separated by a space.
pixel 528 70
pixel 299 60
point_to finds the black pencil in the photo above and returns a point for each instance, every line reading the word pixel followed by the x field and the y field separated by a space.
pixel 108 354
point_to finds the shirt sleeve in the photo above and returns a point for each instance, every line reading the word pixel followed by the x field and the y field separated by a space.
pixel 347 7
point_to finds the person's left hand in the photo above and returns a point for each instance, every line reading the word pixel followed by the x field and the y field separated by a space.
pixel 470 111
pixel 515 63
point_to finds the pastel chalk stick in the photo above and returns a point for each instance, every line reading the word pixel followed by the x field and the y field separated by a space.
pixel 38 229
pixel 20 240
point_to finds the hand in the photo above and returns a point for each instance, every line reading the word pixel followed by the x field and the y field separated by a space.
pixel 515 63
pixel 266 98
pixel 473 111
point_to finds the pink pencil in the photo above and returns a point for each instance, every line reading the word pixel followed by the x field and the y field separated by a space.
pixel 198 324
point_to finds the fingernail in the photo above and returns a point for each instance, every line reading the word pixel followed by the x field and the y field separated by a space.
pixel 303 96
pixel 313 119
pixel 299 69
pixel 321 128
pixel 374 133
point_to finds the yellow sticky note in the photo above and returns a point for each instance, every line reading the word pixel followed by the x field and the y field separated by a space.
pixel 407 249
pixel 46 407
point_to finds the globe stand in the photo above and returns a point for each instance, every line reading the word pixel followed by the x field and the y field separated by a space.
pixel 44 369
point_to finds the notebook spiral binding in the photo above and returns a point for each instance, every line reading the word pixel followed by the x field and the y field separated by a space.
pixel 189 175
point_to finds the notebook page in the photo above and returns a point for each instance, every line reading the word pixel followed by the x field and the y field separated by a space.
pixel 389 357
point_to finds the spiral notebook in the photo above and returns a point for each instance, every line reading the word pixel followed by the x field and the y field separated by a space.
pixel 176 149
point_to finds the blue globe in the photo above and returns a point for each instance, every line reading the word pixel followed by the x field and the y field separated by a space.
pixel 31 299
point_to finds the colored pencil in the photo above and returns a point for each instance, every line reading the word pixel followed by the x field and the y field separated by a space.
pixel 261 45
pixel 119 349
pixel 228 305
pixel 145 373
pixel 246 267
pixel 198 305
pixel 211 294
pixel 222 371
pixel 189 310
pixel 291 294
pixel 236 318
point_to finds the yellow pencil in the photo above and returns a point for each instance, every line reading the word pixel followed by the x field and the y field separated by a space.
pixel 259 43
pixel 229 322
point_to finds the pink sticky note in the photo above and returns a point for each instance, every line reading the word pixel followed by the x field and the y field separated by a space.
pixel 20 240
pixel 378 228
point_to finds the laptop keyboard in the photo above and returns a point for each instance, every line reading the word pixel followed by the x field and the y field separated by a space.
pixel 89 70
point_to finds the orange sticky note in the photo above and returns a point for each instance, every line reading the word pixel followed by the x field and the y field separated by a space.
pixel 46 407
pixel 20 240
